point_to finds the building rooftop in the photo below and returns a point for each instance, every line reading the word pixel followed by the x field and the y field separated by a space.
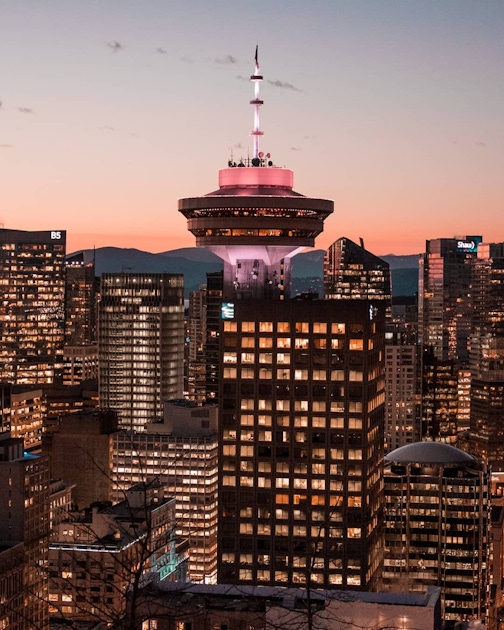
pixel 428 453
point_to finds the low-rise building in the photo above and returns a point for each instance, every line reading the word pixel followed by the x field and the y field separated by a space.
pixel 199 607
pixel 97 555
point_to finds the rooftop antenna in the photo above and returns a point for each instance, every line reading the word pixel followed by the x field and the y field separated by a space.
pixel 256 78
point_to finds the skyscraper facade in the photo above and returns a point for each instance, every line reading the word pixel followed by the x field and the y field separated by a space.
pixel 300 392
pixel 352 272
pixel 436 527
pixel 140 344
pixel 445 314
pixel 487 356
pixel 402 391
pixel 181 454
pixel 32 310
pixel 444 296
pixel 81 351
pixel 24 517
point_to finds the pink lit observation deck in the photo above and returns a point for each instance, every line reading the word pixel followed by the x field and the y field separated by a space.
pixel 255 222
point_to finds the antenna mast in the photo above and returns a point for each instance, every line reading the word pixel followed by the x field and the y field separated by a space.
pixel 256 78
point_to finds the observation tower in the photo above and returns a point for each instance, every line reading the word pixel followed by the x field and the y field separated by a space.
pixel 255 222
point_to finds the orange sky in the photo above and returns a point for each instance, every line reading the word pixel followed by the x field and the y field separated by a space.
pixel 110 112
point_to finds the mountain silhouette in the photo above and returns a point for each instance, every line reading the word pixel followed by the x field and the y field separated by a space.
pixel 195 262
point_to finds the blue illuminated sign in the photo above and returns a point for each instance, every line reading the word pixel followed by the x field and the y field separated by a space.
pixel 227 310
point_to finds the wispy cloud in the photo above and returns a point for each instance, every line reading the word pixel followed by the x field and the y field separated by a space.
pixel 279 84
pixel 26 110
pixel 284 85
pixel 186 59
pixel 295 149
pixel 115 46
pixel 107 128
pixel 227 59
pixel 161 51
pixel 5 146
pixel 1 105
pixel 481 144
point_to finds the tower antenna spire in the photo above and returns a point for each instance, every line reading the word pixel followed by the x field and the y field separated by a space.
pixel 256 78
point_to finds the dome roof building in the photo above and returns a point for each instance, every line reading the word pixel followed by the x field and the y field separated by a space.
pixel 436 526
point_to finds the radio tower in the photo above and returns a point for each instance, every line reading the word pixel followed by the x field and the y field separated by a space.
pixel 255 222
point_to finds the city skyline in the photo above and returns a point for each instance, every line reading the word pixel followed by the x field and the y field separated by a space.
pixel 110 113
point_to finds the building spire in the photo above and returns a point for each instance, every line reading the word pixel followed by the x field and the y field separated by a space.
pixel 256 78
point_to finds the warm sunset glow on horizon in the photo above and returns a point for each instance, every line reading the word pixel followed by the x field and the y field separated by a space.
pixel 111 112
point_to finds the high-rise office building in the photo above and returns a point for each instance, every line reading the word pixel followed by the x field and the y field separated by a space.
pixel 32 309
pixel 444 296
pixel 80 351
pixel 140 344
pixel 300 394
pixel 439 398
pixel 195 386
pixel 402 387
pixel 445 313
pixel 203 332
pixel 80 301
pixel 80 451
pixel 181 454
pixel 437 519
pixel 24 518
pixel 352 272
pixel 487 356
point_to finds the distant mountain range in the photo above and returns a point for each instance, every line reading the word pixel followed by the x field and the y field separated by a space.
pixel 195 262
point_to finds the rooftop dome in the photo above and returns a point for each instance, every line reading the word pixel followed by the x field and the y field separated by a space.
pixel 428 453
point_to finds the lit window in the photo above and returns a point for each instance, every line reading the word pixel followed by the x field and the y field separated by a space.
pixel 265 342
pixel 229 480
pixel 283 405
pixel 337 329
pixel 265 327
pixel 283 327
pixel 356 344
pixel 302 327
pixel 301 343
pixel 230 326
pixel 248 327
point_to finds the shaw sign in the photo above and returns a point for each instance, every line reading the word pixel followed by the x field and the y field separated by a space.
pixel 470 245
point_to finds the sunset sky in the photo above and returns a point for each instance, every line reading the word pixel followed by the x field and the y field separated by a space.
pixel 111 110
